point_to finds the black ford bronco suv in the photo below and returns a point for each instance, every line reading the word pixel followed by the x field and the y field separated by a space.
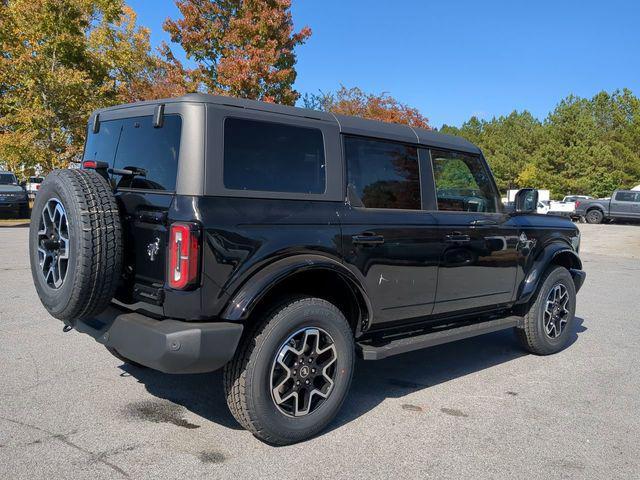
pixel 205 232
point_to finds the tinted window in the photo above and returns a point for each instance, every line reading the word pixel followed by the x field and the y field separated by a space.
pixel 273 157
pixel 153 152
pixel 626 197
pixel 463 183
pixel 102 146
pixel 7 179
pixel 383 174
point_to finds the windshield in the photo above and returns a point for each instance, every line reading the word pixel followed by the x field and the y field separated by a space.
pixel 35 179
pixel 7 179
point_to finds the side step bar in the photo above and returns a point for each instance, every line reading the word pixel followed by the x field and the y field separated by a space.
pixel 417 342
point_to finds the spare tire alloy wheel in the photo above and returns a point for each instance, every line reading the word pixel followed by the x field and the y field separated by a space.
pixel 75 244
pixel 303 372
pixel 53 243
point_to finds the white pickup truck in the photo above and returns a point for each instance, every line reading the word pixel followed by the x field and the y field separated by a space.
pixel 565 208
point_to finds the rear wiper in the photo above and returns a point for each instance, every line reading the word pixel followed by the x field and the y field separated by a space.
pixel 128 171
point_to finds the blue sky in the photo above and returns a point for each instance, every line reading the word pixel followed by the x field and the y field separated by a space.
pixel 454 59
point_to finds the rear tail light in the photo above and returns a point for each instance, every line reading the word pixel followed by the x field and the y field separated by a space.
pixel 184 255
pixel 577 203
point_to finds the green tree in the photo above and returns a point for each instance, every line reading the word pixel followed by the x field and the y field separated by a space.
pixel 509 144
pixel 60 60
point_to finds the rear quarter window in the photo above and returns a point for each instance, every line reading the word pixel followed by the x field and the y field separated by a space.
pixel 273 157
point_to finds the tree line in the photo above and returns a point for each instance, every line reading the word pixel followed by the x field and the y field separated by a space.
pixel 62 59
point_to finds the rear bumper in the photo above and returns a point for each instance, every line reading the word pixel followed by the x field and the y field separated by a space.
pixel 170 346
pixel 579 277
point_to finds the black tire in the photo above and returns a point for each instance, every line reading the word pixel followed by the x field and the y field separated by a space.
pixel 594 216
pixel 533 334
pixel 94 245
pixel 247 378
pixel 122 358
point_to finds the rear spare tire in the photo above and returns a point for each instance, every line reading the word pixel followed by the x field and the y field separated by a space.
pixel 75 244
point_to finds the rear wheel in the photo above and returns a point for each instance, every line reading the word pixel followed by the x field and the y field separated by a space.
pixel 548 324
pixel 594 216
pixel 291 375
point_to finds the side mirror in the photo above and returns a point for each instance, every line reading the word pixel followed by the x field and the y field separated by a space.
pixel 526 200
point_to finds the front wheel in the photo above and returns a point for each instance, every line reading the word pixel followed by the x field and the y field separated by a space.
pixel 291 375
pixel 548 324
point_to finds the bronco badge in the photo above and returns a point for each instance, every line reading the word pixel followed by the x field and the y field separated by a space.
pixel 153 249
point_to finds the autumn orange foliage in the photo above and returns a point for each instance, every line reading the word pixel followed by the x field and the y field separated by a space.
pixel 382 107
pixel 244 48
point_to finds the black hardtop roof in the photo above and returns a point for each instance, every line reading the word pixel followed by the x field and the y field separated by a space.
pixel 346 124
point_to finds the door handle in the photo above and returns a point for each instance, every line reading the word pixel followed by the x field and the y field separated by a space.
pixel 481 222
pixel 457 238
pixel 367 239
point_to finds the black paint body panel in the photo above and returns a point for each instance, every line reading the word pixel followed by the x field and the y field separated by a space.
pixel 407 267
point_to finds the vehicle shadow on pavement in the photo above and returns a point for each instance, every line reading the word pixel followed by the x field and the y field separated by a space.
pixel 373 382
pixel 399 376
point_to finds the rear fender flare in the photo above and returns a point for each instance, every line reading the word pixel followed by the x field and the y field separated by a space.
pixel 253 290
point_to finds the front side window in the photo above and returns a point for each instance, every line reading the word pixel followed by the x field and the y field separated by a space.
pixel 383 174
pixel 626 197
pixel 273 157
pixel 463 183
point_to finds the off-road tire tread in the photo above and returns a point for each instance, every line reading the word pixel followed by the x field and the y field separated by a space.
pixel 237 385
pixel 527 335
pixel 99 260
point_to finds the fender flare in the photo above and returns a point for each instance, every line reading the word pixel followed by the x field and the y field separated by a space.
pixel 548 256
pixel 261 282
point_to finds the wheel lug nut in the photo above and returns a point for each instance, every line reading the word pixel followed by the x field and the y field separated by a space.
pixel 310 360
pixel 298 382
pixel 313 370
pixel 306 382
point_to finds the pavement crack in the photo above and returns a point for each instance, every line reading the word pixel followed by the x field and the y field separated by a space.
pixel 62 437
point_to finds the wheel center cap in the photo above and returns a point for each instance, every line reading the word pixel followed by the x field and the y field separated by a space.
pixel 304 371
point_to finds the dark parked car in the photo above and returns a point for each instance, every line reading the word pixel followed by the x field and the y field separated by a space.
pixel 279 243
pixel 623 205
pixel 13 198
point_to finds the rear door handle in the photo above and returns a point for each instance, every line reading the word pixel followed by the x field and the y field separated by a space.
pixel 367 239
pixel 457 238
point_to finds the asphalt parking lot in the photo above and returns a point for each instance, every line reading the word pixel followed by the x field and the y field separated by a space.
pixel 480 408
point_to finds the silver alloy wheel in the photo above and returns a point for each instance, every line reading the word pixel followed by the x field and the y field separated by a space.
pixel 53 243
pixel 556 314
pixel 303 372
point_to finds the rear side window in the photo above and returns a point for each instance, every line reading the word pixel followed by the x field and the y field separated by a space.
pixel 463 183
pixel 626 197
pixel 152 152
pixel 383 174
pixel 273 157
